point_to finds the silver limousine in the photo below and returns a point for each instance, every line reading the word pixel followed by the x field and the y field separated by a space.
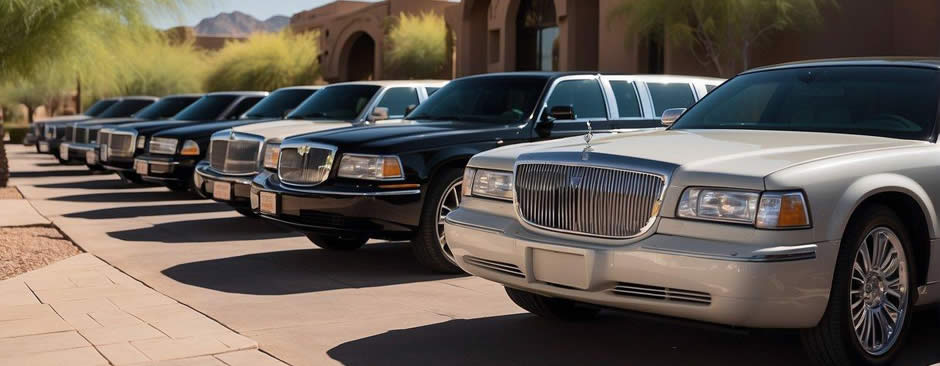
pixel 794 196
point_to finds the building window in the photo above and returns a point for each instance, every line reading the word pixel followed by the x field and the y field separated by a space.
pixel 537 36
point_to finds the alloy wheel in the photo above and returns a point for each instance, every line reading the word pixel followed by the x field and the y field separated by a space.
pixel 447 204
pixel 879 291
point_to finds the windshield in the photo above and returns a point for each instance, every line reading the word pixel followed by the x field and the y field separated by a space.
pixel 100 106
pixel 500 99
pixel 278 103
pixel 341 102
pixel 206 108
pixel 165 108
pixel 897 102
pixel 125 108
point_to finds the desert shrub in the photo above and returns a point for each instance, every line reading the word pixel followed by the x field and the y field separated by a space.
pixel 417 46
pixel 265 61
pixel 152 65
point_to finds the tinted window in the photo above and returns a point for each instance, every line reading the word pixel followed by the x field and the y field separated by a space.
pixel 206 108
pixel 397 100
pixel 670 95
pixel 100 106
pixel 709 88
pixel 500 99
pixel 880 101
pixel 279 103
pixel 125 108
pixel 243 106
pixel 585 96
pixel 431 91
pixel 342 102
pixel 165 107
pixel 628 104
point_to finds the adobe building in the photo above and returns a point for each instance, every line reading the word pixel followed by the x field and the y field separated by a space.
pixel 567 35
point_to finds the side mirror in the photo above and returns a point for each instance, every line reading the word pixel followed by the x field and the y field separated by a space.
pixel 286 113
pixel 378 114
pixel 561 112
pixel 410 109
pixel 671 115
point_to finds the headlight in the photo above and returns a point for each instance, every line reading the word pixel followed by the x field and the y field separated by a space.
pixel 770 210
pixel 487 183
pixel 190 148
pixel 372 167
pixel 142 142
pixel 271 155
pixel 162 145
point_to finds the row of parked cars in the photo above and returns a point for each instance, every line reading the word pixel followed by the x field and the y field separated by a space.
pixel 795 196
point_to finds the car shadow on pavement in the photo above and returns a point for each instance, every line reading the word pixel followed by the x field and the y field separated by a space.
pixel 146 211
pixel 615 338
pixel 50 173
pixel 212 230
pixel 306 270
pixel 92 184
pixel 154 196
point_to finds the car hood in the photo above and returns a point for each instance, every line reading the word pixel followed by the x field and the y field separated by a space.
pixel 279 130
pixel 204 129
pixel 64 119
pixel 108 121
pixel 409 135
pixel 732 158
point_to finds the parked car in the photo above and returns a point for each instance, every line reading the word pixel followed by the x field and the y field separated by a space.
pixel 237 155
pixel 796 196
pixel 117 146
pixel 48 129
pixel 396 182
pixel 174 153
pixel 82 148
pixel 125 107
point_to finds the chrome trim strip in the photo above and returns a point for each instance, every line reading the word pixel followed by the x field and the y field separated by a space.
pixel 157 162
pixel 207 176
pixel 490 230
pixel 775 254
pixel 335 193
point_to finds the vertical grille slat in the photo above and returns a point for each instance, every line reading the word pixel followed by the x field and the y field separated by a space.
pixel 596 201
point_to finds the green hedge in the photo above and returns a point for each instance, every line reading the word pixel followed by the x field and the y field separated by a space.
pixel 17 133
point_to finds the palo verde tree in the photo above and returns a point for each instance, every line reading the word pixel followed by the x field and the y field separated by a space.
pixel 720 33
pixel 266 61
pixel 417 45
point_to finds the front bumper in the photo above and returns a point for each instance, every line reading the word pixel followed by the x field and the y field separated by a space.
pixel 79 153
pixel 239 187
pixel 383 214
pixel 30 139
pixel 165 170
pixel 756 285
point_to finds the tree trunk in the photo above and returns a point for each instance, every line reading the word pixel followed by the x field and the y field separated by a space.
pixel 29 113
pixel 4 164
pixel 78 95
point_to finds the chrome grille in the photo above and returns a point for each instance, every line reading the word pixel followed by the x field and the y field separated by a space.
pixel 121 145
pixel 662 293
pixel 93 135
pixel 305 165
pixel 69 133
pixel 81 135
pixel 507 268
pixel 234 156
pixel 602 202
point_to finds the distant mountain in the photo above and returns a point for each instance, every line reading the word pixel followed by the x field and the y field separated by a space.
pixel 238 24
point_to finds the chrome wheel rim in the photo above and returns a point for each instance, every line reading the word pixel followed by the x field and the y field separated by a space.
pixel 447 204
pixel 879 292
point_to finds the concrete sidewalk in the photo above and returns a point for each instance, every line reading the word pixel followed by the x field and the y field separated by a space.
pixel 19 212
pixel 81 311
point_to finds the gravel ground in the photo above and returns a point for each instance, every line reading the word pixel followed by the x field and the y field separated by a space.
pixel 27 248
pixel 10 193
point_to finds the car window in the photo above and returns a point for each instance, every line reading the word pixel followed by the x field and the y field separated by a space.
pixel 279 103
pixel 585 96
pixel 502 99
pixel 432 90
pixel 98 107
pixel 337 102
pixel 125 108
pixel 206 108
pixel 628 103
pixel 897 102
pixel 670 95
pixel 243 106
pixel 710 87
pixel 165 108
pixel 397 100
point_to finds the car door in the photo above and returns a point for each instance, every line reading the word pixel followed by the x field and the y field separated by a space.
pixel 583 93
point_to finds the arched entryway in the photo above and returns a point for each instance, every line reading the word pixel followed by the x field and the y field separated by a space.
pixel 537 36
pixel 359 58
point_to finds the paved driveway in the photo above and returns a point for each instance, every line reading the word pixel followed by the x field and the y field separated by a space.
pixel 308 306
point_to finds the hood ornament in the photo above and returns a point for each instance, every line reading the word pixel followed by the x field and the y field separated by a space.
pixel 231 135
pixel 303 150
pixel 586 153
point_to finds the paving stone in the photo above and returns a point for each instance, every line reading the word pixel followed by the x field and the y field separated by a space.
pixel 37 283
pixel 83 306
pixel 169 349
pixel 198 361
pixel 19 213
pixel 15 292
pixel 17 312
pixel 174 311
pixel 249 358
pixel 41 343
pixel 109 335
pixel 185 328
pixel 236 341
pixel 122 354
pixel 91 279
pixel 141 300
pixel 84 293
pixel 114 318
pixel 40 325
pixel 85 356
pixel 80 321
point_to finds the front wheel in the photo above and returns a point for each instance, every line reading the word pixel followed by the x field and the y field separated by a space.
pixel 247 212
pixel 337 242
pixel 551 307
pixel 430 245
pixel 869 309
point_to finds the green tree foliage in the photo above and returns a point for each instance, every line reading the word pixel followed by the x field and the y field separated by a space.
pixel 417 45
pixel 720 33
pixel 266 61
pixel 152 65
pixel 38 90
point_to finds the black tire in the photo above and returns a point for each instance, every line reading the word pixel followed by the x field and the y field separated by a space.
pixel 130 178
pixel 551 307
pixel 37 149
pixel 426 244
pixel 247 212
pixel 833 341
pixel 337 242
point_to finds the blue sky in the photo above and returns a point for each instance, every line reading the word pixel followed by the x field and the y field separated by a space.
pixel 261 9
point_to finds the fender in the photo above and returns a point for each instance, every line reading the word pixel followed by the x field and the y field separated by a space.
pixel 868 186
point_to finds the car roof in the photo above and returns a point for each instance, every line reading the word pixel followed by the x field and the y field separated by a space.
pixel 386 83
pixel 302 87
pixel 242 93
pixel 136 97
pixel 189 95
pixel 924 62
pixel 559 74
